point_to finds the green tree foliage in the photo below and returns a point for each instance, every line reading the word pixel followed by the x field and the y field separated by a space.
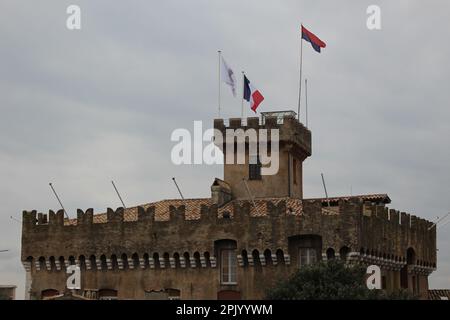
pixel 331 280
pixel 4 297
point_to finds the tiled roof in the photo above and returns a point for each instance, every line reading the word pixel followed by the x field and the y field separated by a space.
pixel 293 206
pixel 439 294
pixel 193 208
pixel 383 198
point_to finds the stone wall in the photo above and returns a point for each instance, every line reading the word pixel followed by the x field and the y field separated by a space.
pixel 143 255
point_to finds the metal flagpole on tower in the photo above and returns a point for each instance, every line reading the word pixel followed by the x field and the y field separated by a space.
pixel 300 82
pixel 220 53
pixel 242 96
pixel 306 101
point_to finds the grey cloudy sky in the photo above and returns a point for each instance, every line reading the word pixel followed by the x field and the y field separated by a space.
pixel 80 108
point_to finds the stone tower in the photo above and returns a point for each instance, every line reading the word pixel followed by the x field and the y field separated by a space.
pixel 294 148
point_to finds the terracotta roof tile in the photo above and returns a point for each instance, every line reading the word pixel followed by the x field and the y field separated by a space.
pixel 193 209
pixel 439 294
pixel 384 198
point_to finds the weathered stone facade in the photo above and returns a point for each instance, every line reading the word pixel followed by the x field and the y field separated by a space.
pixel 174 248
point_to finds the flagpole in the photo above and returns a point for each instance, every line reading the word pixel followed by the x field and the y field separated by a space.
pixel 300 86
pixel 306 101
pixel 220 53
pixel 242 95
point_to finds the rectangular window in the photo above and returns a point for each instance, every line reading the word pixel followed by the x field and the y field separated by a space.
pixel 294 171
pixel 307 256
pixel 228 266
pixel 254 168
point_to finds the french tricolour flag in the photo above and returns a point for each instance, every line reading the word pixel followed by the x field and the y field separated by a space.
pixel 252 95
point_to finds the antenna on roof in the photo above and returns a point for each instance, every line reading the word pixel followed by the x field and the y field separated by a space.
pixel 57 198
pixel 176 185
pixel 325 188
pixel 442 225
pixel 439 220
pixel 17 220
pixel 249 193
pixel 118 194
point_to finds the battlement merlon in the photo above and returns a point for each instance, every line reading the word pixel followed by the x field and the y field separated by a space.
pixel 383 229
pixel 291 131
pixel 364 225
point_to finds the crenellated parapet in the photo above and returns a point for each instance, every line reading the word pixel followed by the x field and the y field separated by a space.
pixel 290 129
pixel 377 234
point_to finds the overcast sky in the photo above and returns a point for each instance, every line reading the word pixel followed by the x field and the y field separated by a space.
pixel 79 108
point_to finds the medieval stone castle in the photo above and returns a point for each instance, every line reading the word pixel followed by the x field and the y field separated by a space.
pixel 234 244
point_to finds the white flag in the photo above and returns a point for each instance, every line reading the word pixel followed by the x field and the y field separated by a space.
pixel 227 76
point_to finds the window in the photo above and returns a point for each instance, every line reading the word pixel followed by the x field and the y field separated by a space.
pixel 330 254
pixel 294 171
pixel 307 256
pixel 228 266
pixel 254 168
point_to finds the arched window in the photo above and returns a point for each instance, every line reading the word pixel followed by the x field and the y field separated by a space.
pixel 124 259
pixel 42 263
pixel 82 260
pixel 410 256
pixel 244 258
pixel 71 260
pixel 135 258
pixel 256 260
pixel 207 259
pixel 166 257
pixel 52 263
pixel 103 262
pixel 176 257
pixel 330 254
pixel 343 253
pixel 114 263
pixel 187 259
pixel 197 259
pixel 61 261
pixel 280 256
pixel 93 262
pixel 146 260
pixel 268 257
pixel 156 260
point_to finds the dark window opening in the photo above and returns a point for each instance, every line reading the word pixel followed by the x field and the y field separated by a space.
pixel 254 168
pixel 294 171
pixel 330 254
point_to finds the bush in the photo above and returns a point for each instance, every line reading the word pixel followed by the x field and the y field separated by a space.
pixel 331 280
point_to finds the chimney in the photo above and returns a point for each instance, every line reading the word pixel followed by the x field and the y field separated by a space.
pixel 220 192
